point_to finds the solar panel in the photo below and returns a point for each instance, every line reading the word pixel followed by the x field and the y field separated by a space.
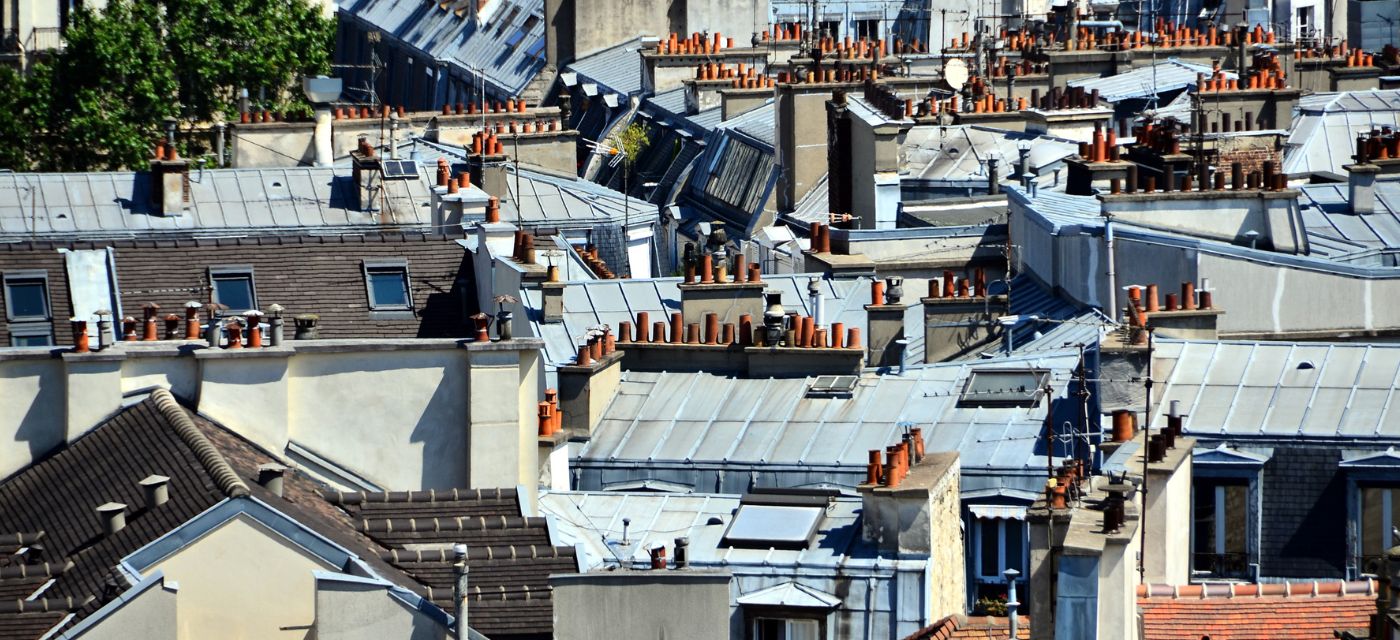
pixel 759 526
pixel 404 169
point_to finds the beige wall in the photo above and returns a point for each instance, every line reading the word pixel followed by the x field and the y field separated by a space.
pixel 641 605
pixel 1118 578
pixel 151 615
pixel 1168 523
pixel 355 611
pixel 403 414
pixel 242 580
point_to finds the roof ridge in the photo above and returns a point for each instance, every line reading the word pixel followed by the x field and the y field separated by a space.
pixel 209 456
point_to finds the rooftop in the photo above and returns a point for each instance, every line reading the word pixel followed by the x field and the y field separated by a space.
pixel 617 69
pixel 1323 137
pixel 1296 611
pixel 959 154
pixel 1147 82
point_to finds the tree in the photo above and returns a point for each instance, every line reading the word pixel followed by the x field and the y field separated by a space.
pixel 129 67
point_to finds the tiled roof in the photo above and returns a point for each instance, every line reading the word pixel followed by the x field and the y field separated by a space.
pixel 958 627
pixel 1255 612
pixel 509 556
pixel 58 496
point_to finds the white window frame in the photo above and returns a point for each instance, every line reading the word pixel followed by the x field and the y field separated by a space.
pixel 1000 524
pixel 787 626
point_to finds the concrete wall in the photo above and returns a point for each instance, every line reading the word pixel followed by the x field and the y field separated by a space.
pixel 362 611
pixel 800 142
pixel 243 581
pixel 1118 579
pixel 1168 520
pixel 1225 216
pixel 151 615
pixel 642 605
pixel 438 419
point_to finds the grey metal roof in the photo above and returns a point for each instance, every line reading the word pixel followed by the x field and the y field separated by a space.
pixel 814 206
pixel 1145 82
pixel 872 588
pixel 550 200
pixel 1281 390
pixel 757 124
pixel 117 204
pixel 1324 132
pixel 960 153
pixel 593 302
pixel 1335 231
pixel 697 428
pixel 617 68
pixel 670 107
pixel 507 55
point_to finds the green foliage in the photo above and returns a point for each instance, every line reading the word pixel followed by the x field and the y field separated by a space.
pixel 632 140
pixel 990 606
pixel 125 69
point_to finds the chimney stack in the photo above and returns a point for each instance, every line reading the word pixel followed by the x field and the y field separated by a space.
pixel 1361 184
pixel 113 515
pixel 157 490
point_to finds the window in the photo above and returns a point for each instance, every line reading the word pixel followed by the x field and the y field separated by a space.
pixel 1380 512
pixel 1001 545
pixel 233 288
pixel 387 285
pixel 785 629
pixel 1019 388
pixel 34 334
pixel 869 29
pixel 830 28
pixel 764 526
pixel 27 296
pixel 1220 531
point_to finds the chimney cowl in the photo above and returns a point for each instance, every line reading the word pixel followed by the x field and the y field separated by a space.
pixel 113 515
pixel 270 476
pixel 157 490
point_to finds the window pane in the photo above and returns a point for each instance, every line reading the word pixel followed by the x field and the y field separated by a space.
pixel 1372 504
pixel 991 540
pixel 1236 511
pixel 1204 526
pixel 388 288
pixel 802 630
pixel 27 299
pixel 768 629
pixel 235 292
pixel 31 341
pixel 1013 545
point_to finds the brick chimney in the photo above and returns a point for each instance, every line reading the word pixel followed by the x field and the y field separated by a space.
pixel 959 315
pixel 366 175
pixel 587 386
pixel 170 181
pixel 716 284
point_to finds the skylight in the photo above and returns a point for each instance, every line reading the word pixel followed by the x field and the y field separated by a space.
pixel 1019 388
pixel 832 387
pixel 761 526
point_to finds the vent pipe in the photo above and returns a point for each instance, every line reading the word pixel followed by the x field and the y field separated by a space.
pixel 814 294
pixel 113 515
pixel 270 477
pixel 682 553
pixel 157 490
pixel 459 588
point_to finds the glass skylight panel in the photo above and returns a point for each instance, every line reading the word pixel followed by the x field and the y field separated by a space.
pixel 758 526
pixel 1020 388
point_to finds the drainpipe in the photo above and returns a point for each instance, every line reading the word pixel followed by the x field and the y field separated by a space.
pixel 1112 305
pixel 903 344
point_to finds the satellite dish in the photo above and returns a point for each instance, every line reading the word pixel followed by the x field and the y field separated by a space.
pixel 955 73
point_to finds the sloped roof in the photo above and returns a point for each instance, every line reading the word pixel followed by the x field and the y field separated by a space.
pixel 1334 230
pixel 1323 137
pixel 117 204
pixel 960 153
pixel 790 594
pixel 960 627
pixel 508 55
pixel 509 555
pixel 1145 82
pixel 1281 389
pixel 1297 611
pixel 617 68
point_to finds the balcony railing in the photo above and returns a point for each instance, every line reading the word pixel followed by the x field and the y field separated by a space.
pixel 1221 565
pixel 44 39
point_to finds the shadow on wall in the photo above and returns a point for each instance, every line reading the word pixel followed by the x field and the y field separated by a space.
pixel 445 313
pixel 42 427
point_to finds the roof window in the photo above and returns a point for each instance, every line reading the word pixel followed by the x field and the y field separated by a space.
pixel 1019 388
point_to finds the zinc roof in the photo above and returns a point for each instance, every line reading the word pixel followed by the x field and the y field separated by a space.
pixel 117 204
pixel 617 68
pixel 1282 390
pixel 758 124
pixel 500 49
pixel 1146 82
pixel 1324 132
pixel 961 152
pixel 1334 230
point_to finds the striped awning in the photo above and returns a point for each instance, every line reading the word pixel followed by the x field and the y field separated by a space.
pixel 994 511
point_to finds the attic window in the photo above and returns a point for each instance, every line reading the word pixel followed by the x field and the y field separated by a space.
pixel 832 387
pixel 1019 388
pixel 762 526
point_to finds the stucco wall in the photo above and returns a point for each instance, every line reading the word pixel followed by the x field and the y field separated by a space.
pixel 641 605
pixel 352 611
pixel 1169 524
pixel 151 615
pixel 32 397
pixel 243 581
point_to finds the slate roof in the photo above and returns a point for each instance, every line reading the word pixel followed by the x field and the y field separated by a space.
pixel 509 554
pixel 617 68
pixel 1335 231
pixel 1281 390
pixel 283 200
pixel 1307 611
pixel 1323 136
pixel 510 55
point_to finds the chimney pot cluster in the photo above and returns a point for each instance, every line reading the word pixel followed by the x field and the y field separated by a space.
pixel 950 286
pixel 1379 144
pixel 596 345
pixel 709 273
pixel 550 415
pixel 898 459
